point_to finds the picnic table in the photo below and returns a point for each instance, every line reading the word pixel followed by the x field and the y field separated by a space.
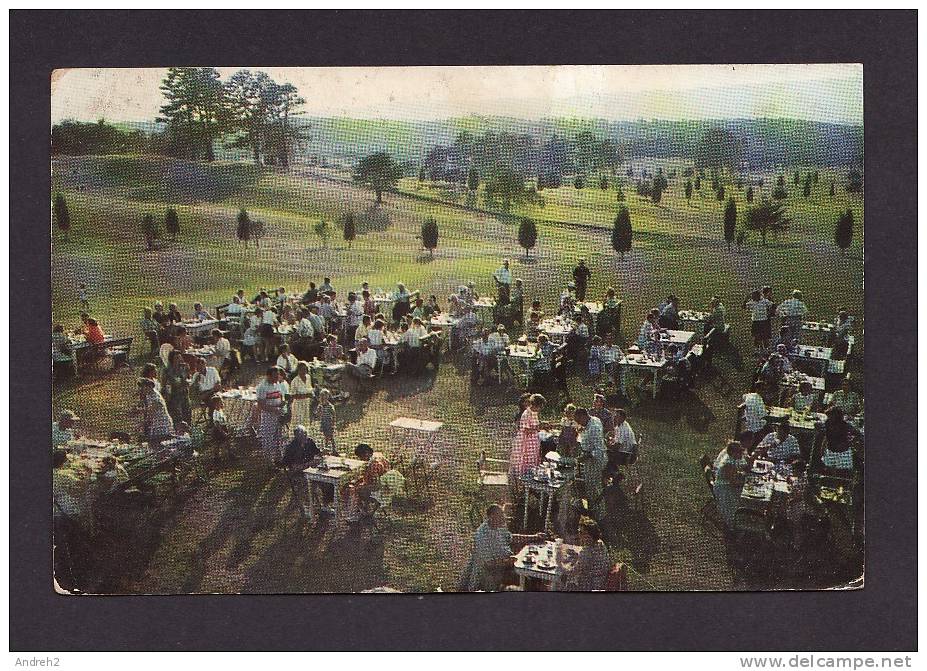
pixel 547 482
pixel 694 320
pixel 765 487
pixel 446 324
pixel 520 358
pixel 240 406
pixel 540 561
pixel 816 333
pixel 199 327
pixel 800 422
pixel 795 378
pixel 595 310
pixel 484 307
pixel 817 357
pixel 557 329
pixel 329 471
pixel 420 433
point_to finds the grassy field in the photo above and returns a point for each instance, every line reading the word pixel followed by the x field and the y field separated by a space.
pixel 238 532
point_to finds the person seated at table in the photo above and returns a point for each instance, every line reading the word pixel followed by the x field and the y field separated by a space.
pixel 578 338
pixel 93 333
pixel 182 340
pixel 160 315
pixel 838 457
pixel 418 312
pixel 588 571
pixel 517 302
pixel 368 305
pixel 545 362
pixel 784 337
pixel 840 336
pixel 401 302
pixel 318 322
pixel 605 416
pixel 846 399
pixel 364 481
pixel 649 331
pixel 533 326
pixel 199 314
pixel 329 312
pixel 484 358
pixel 594 362
pixel 218 428
pixel 569 432
pixel 366 361
pixel 536 307
pixel 151 329
pixel 610 355
pixel 804 398
pixel 499 339
pixel 235 307
pixel 60 344
pixel 773 370
pixel 754 412
pixel 286 361
pixel 287 314
pixel 567 300
pixel 65 429
pixel 730 467
pixel 225 358
pixel 838 433
pixel 326 287
pixel 332 352
pixel 363 328
pixel 249 343
pixel 311 295
pixel 206 380
pixel 503 279
pixel 669 313
pixel 624 452
pixel 173 314
pixel 157 424
pixel 799 506
pixel 780 445
pixel 301 451
pixel 716 315
pixel 492 554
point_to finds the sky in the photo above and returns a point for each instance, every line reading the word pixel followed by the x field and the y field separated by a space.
pixel 814 92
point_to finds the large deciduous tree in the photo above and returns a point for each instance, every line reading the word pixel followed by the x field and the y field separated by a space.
pixel 378 172
pixel 196 109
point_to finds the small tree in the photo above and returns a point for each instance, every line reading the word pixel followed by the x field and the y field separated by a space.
pixel 322 230
pixel 621 232
pixel 698 183
pixel 579 182
pixel 656 194
pixel 421 174
pixel 843 231
pixel 814 177
pixel 348 227
pixel 473 179
pixel 603 182
pixel 378 172
pixel 749 194
pixel 527 234
pixel 779 193
pixel 62 216
pixel 688 190
pixel 430 235
pixel 171 223
pixel 244 227
pixel 720 194
pixel 765 217
pixel 257 232
pixel 730 221
pixel 806 189
pixel 150 231
pixel 833 189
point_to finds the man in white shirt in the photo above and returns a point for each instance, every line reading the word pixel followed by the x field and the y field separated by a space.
pixel 793 311
pixel 503 277
pixel 235 307
pixel 610 354
pixel 366 361
pixel 755 412
pixel 780 445
pixel 413 337
pixel 592 446
pixel 317 321
pixel 625 440
pixel 354 314
pixel 223 349
pixel 483 358
pixel 206 381
pixel 499 340
pixel 287 361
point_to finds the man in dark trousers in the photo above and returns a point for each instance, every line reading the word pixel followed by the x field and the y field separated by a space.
pixel 581 279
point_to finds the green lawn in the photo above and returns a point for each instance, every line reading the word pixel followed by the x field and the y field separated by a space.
pixel 238 532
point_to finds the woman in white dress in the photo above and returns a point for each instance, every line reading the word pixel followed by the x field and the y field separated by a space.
pixel 301 395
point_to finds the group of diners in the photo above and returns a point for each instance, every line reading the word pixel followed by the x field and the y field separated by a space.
pixel 792 314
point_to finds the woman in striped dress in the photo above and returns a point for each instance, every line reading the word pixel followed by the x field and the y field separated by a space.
pixel 526 451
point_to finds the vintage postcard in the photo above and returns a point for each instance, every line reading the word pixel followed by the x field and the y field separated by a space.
pixel 420 329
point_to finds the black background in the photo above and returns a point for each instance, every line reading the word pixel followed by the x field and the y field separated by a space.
pixel 882 616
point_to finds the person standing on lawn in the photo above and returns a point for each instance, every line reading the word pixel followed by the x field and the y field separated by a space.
pixel 581 276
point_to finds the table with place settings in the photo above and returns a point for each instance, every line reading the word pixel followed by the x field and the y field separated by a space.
pixel 540 562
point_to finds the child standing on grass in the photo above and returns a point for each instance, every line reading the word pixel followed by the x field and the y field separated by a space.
pixel 325 411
